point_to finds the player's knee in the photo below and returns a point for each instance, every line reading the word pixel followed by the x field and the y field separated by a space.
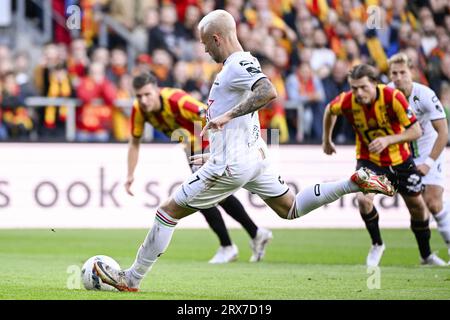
pixel 417 209
pixel 168 207
pixel 434 206
pixel 365 204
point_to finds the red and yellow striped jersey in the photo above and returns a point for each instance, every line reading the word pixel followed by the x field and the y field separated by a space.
pixel 180 113
pixel 389 114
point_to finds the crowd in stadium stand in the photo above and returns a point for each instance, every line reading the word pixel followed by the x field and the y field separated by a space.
pixel 305 47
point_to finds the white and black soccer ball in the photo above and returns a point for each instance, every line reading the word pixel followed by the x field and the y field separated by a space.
pixel 89 277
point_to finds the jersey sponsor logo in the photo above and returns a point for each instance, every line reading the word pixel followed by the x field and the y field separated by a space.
pixel 253 71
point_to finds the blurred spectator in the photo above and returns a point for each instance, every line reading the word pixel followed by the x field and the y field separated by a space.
pixel 94 119
pixel 445 69
pixel 323 58
pixel 129 13
pixel 419 65
pixel 433 68
pixel 235 8
pixel 15 116
pixel 120 116
pixel 151 18
pixel 305 88
pixel 352 53
pixel 168 34
pixel 192 16
pixel 101 55
pixel 401 14
pixel 439 8
pixel 143 64
pixel 333 85
pixel 350 10
pixel 5 57
pixel 386 32
pixel 50 58
pixel 183 80
pixel 305 30
pixel 89 25
pixel 428 36
pixel 22 68
pixel 203 70
pixel 161 66
pixel 337 31
pixel 447 22
pixel 78 61
pixel 404 34
pixel 52 119
pixel 118 66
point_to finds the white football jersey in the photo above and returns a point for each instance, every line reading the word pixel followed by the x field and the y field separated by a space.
pixel 233 84
pixel 427 107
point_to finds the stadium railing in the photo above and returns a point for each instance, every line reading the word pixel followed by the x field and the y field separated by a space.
pixel 72 104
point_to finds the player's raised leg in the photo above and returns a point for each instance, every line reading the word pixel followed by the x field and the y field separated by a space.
pixel 312 197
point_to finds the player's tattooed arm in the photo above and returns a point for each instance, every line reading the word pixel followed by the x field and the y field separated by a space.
pixel 263 92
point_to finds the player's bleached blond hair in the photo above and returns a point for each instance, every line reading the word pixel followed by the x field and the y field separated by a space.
pixel 400 58
pixel 219 21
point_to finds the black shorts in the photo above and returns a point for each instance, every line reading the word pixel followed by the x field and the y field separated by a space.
pixel 404 177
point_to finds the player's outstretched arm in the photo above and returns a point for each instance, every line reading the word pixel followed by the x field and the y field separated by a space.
pixel 329 121
pixel 133 156
pixel 441 128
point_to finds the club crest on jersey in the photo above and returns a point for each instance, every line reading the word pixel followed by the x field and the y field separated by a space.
pixel 409 112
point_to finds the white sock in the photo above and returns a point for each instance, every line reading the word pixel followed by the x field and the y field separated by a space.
pixel 153 247
pixel 312 197
pixel 443 222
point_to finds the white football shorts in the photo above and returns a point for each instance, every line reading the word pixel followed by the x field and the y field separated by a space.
pixel 436 175
pixel 211 184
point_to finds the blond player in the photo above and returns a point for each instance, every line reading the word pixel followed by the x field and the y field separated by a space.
pixel 428 149
pixel 238 157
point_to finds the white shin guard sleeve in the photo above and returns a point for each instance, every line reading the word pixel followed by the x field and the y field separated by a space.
pixel 154 245
pixel 313 197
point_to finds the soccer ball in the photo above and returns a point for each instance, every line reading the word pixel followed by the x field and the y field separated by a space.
pixel 89 277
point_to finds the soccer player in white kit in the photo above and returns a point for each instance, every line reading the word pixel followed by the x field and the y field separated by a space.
pixel 238 155
pixel 428 149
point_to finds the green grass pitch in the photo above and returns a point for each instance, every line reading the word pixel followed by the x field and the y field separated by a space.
pixel 299 264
